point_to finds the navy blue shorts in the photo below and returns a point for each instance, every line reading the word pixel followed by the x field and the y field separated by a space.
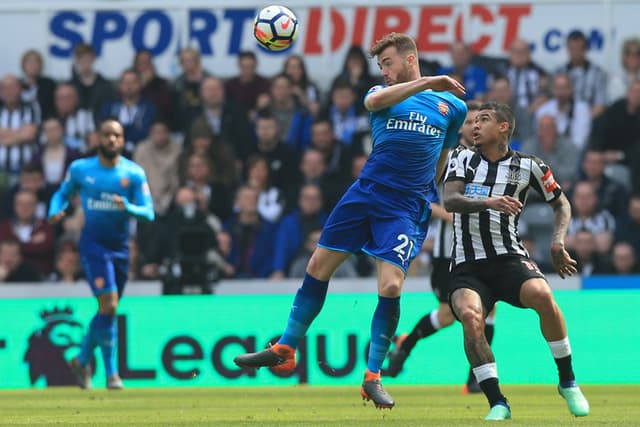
pixel 105 270
pixel 387 224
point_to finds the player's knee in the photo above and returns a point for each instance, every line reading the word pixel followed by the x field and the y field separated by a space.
pixel 391 289
pixel 470 316
pixel 317 269
pixel 543 302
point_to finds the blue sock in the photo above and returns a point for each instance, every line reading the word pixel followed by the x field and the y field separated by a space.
pixel 306 306
pixel 383 327
pixel 88 343
pixel 106 334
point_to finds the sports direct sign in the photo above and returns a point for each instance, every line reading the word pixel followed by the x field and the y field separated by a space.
pixel 118 29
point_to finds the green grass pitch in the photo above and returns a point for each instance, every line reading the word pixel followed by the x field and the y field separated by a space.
pixel 308 406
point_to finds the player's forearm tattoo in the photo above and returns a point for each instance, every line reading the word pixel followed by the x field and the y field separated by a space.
pixel 456 201
pixel 561 218
pixel 478 351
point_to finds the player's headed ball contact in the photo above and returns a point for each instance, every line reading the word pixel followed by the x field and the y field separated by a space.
pixel 275 28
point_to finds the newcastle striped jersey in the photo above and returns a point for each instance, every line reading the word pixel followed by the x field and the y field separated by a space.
pixel 489 233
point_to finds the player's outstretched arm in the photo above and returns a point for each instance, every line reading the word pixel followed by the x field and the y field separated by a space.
pixel 385 97
pixel 563 264
pixel 60 199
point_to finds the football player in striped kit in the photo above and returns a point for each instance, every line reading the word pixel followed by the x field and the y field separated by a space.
pixel 486 190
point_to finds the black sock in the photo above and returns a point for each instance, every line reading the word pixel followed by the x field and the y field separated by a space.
pixel 423 329
pixel 491 389
pixel 565 371
pixel 488 333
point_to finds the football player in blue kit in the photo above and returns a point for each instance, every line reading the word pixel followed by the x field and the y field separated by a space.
pixel 385 213
pixel 112 189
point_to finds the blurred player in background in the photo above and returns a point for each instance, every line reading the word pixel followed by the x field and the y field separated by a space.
pixel 441 317
pixel 385 213
pixel 486 189
pixel 112 189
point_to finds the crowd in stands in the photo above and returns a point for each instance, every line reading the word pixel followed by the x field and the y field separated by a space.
pixel 244 171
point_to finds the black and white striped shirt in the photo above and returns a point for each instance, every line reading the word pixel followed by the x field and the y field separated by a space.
pixel 489 233
pixel 13 157
pixel 589 82
pixel 599 222
pixel 525 84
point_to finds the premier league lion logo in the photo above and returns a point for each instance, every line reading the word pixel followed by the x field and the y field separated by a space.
pixel 52 346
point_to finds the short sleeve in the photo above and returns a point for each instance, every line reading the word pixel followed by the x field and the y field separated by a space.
pixel 542 180
pixel 456 167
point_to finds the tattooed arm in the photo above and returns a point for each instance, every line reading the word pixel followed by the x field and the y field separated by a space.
pixel 562 262
pixel 456 201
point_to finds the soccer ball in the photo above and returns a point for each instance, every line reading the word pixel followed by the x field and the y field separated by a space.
pixel 275 28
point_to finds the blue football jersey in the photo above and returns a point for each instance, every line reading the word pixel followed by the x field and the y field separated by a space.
pixel 105 223
pixel 408 138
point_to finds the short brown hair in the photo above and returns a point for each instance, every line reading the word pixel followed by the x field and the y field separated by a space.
pixel 503 114
pixel 402 42
pixel 83 49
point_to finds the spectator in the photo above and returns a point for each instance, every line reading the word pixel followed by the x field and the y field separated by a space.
pixel 343 114
pixel 628 226
pixel 572 115
pixel 584 251
pixel 227 271
pixel 251 237
pixel 501 92
pixel 473 78
pixel 529 82
pixel 225 167
pixel 135 113
pixel 619 83
pixel 624 259
pixel 617 130
pixel 337 160
pixel 612 196
pixel 31 179
pixel 556 150
pixel 94 91
pixel 295 226
pixel 77 122
pixel 36 88
pixel 12 266
pixel 299 264
pixel 159 157
pixel 36 236
pixel 270 198
pixel 294 121
pixel 186 246
pixel 588 79
pixel 212 196
pixel 305 91
pixel 186 90
pixel 587 216
pixel 18 128
pixel 67 268
pixel 249 89
pixel 154 88
pixel 283 159
pixel 355 70
pixel 314 168
pixel 55 156
pixel 223 118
